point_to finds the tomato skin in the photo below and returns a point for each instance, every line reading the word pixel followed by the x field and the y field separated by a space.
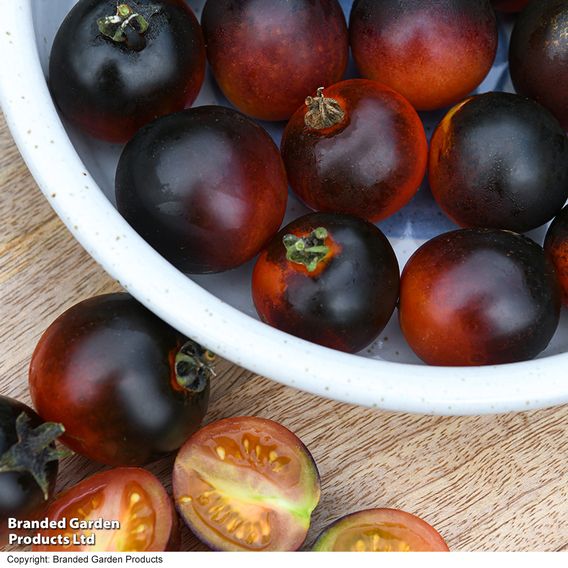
pixel 432 53
pixel 509 6
pixel 268 55
pixel 105 370
pixel 20 495
pixel 478 297
pixel 109 90
pixel 206 187
pixel 538 56
pixel 105 495
pixel 395 530
pixel 246 474
pixel 556 248
pixel 328 169
pixel 336 305
pixel 499 161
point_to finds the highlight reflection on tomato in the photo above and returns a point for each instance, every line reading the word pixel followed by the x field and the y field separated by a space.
pixel 328 278
pixel 380 530
pixel 479 297
pixel 246 484
pixel 556 248
pixel 131 497
pixel 116 66
pixel 267 55
pixel 127 387
pixel 337 163
pixel 432 53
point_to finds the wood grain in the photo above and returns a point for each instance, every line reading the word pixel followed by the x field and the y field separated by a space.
pixel 487 483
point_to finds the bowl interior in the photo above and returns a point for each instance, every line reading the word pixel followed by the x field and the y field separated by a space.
pixel 418 222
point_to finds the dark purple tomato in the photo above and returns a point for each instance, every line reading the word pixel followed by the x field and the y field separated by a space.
pixel 28 463
pixel 337 163
pixel 127 387
pixel 205 187
pixel 328 278
pixel 433 53
pixel 478 297
pixel 499 161
pixel 509 5
pixel 116 66
pixel 556 247
pixel 538 56
pixel 268 55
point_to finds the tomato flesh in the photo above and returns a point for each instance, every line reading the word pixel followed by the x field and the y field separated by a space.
pixel 246 484
pixel 132 497
pixel 380 530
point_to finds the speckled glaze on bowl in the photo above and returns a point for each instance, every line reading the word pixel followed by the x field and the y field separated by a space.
pixel 76 175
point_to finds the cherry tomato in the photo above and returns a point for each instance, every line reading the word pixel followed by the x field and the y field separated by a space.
pixel 499 161
pixel 510 5
pixel 331 279
pixel 479 297
pixel 337 163
pixel 246 484
pixel 28 462
pixel 556 247
pixel 432 53
pixel 205 187
pixel 127 387
pixel 116 65
pixel 380 530
pixel 538 56
pixel 129 496
pixel 268 55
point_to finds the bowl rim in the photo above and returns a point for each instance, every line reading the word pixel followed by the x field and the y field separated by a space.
pixel 85 210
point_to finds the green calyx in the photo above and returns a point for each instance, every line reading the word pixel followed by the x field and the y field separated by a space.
pixel 194 367
pixel 33 451
pixel 127 26
pixel 309 251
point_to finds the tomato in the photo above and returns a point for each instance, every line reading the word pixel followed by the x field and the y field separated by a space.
pixel 331 279
pixel 205 187
pixel 133 498
pixel 28 462
pixel 268 55
pixel 556 247
pixel 127 387
pixel 116 66
pixel 499 161
pixel 479 297
pixel 380 530
pixel 246 484
pixel 538 56
pixel 340 165
pixel 510 5
pixel 432 53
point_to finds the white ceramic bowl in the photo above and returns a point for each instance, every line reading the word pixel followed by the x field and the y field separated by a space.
pixel 76 175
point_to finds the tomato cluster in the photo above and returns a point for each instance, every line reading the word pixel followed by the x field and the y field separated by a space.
pixel 207 188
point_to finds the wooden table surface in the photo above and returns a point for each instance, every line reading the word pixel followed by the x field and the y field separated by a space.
pixel 486 483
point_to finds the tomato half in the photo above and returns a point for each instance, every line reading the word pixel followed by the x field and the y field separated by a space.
pixel 380 530
pixel 133 497
pixel 246 484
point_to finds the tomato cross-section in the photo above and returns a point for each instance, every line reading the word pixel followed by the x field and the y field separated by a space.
pixel 246 484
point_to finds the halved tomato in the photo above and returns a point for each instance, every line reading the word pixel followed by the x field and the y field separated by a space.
pixel 121 510
pixel 380 530
pixel 246 484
